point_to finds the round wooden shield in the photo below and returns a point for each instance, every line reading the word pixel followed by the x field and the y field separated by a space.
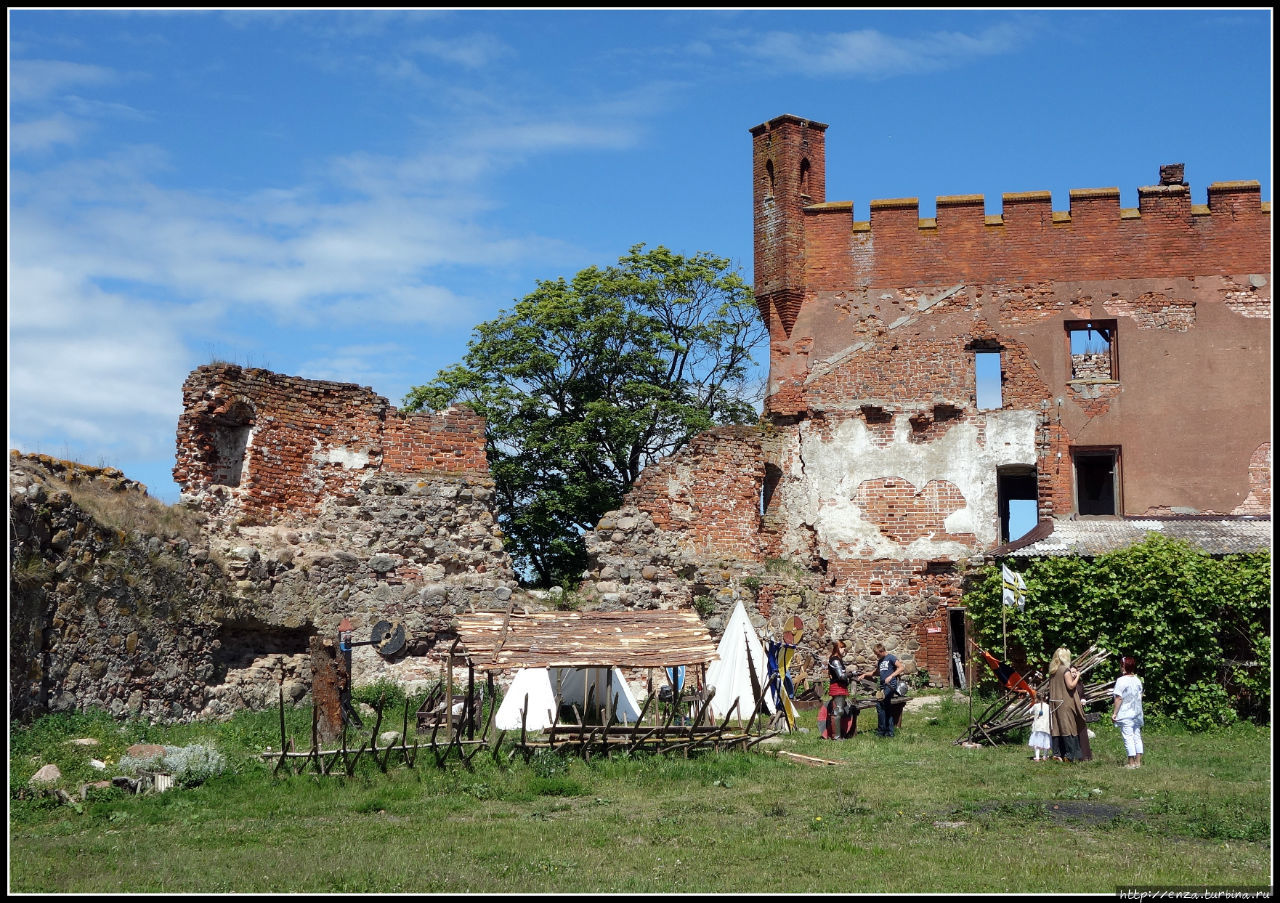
pixel 387 638
pixel 793 630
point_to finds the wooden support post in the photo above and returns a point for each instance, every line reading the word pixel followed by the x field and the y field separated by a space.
pixel 471 695
pixel 524 714
pixel 448 693
pixel 608 697
pixel 283 740
pixel 329 677
pixel 315 739
pixel 493 704
pixel 404 738
pixel 555 720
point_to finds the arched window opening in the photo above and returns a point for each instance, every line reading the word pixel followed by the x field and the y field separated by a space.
pixel 768 170
pixel 804 177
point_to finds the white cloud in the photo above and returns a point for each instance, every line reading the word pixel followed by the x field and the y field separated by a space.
pixel 36 80
pixel 537 136
pixel 82 361
pixel 874 54
pixel 472 51
pixel 102 109
pixel 39 135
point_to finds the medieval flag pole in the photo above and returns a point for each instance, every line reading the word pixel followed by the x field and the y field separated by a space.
pixel 1013 593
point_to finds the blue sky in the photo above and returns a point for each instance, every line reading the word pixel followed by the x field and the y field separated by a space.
pixel 344 195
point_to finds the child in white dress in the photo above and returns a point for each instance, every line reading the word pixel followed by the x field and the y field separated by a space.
pixel 1040 728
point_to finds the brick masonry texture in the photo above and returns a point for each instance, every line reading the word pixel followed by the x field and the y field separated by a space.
pixel 303 440
pixel 318 502
pixel 882 475
pixel 859 503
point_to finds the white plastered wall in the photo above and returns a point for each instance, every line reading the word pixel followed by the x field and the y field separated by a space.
pixel 822 475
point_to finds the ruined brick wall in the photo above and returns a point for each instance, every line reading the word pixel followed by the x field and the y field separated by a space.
pixel 709 492
pixel 262 445
pixel 1259 499
pixel 173 628
pixel 883 471
pixel 345 508
pixel 1166 235
pixel 889 467
pixel 318 501
pixel 685 515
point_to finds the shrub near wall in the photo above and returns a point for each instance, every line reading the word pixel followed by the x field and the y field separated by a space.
pixel 1198 625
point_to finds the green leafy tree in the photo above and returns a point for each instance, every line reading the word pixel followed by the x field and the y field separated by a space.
pixel 1199 625
pixel 587 381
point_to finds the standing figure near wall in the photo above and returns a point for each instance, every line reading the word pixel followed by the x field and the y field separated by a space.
pixel 888 669
pixel 1066 718
pixel 840 708
pixel 1127 711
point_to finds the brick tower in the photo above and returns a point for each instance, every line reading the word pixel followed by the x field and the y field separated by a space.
pixel 789 173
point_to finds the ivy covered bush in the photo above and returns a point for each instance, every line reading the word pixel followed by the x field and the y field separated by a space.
pixel 1198 625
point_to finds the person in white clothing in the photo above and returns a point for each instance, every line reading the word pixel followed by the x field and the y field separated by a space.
pixel 1040 728
pixel 1127 714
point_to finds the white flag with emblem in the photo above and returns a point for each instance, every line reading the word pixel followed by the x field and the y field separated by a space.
pixel 1015 588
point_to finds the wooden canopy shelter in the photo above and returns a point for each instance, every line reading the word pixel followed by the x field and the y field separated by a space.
pixel 496 640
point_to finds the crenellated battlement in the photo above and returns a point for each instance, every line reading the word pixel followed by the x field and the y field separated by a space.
pixel 805 243
pixel 1153 200
pixel 1094 238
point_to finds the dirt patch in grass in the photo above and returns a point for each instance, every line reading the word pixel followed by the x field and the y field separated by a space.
pixel 1084 811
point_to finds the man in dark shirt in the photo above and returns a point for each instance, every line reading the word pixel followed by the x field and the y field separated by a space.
pixel 889 669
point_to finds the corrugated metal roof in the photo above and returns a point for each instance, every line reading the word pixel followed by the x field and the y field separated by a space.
pixel 1216 535
pixel 494 640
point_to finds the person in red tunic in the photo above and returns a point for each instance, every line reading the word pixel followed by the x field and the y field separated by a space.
pixel 840 708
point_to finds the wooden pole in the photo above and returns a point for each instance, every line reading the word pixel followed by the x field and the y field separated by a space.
pixel 448 694
pixel 493 704
pixel 1004 634
pixel 471 695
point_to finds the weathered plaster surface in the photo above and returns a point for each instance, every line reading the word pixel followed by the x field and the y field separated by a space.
pixel 826 467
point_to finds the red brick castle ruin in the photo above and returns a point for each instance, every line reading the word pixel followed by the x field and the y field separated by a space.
pixel 1131 349
pixel 879 466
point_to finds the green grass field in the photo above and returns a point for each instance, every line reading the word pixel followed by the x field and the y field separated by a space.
pixel 912 814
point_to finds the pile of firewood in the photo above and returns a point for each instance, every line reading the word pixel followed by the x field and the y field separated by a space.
pixel 1012 711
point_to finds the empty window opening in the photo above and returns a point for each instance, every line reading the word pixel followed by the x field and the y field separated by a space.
pixel 804 177
pixel 1017 500
pixel 1097 481
pixel 230 435
pixel 957 645
pixel 772 477
pixel 989 375
pixel 768 170
pixel 1093 349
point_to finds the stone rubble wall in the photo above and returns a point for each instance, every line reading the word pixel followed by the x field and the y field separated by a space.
pixel 99 616
pixel 691 534
pixel 177 628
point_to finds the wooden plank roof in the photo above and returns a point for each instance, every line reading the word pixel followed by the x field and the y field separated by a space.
pixel 494 640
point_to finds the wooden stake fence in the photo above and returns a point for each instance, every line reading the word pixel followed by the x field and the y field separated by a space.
pixel 664 736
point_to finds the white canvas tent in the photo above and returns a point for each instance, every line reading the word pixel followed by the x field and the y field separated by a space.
pixel 572 686
pixel 731 675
